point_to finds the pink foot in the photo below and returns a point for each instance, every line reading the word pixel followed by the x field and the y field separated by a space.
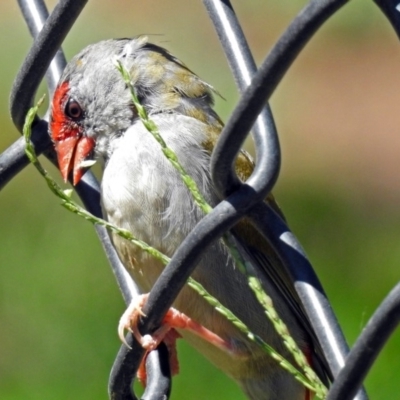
pixel 167 333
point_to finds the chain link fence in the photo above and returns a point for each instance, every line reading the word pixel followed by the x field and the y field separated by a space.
pixel 256 85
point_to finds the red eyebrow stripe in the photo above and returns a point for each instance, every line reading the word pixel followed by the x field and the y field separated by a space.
pixel 58 122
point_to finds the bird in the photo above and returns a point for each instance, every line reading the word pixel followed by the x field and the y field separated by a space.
pixel 93 119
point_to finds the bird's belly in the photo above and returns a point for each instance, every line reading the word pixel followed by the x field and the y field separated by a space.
pixel 146 196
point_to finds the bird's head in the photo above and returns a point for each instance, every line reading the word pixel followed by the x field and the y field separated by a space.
pixel 92 105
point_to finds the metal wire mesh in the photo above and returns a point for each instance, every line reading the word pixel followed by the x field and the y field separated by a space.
pixel 238 199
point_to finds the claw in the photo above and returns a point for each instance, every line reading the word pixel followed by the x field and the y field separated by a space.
pixel 129 321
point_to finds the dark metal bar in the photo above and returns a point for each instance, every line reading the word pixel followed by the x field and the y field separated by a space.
pixel 367 347
pixel 253 99
pixel 159 382
pixel 13 160
pixel 243 67
pixel 240 59
pixel 158 379
pixel 271 72
pixel 35 14
pixel 391 9
pixel 307 285
pixel 44 48
pixel 123 371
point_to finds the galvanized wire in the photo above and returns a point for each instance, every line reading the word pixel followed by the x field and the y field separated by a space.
pixel 268 157
pixel 238 199
pixel 367 347
pixel 391 9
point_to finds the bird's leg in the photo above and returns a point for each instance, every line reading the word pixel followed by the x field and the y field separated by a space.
pixel 167 333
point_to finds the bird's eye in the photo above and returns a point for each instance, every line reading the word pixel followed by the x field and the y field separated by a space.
pixel 73 109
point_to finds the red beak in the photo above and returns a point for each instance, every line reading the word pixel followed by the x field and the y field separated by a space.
pixel 71 152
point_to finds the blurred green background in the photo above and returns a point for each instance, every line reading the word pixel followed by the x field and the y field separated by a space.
pixel 337 114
